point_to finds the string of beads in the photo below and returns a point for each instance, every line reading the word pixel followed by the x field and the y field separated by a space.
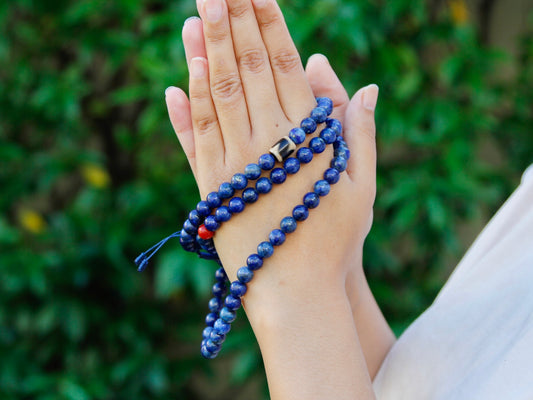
pixel 232 197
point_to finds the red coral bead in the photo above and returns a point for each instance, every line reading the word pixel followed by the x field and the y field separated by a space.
pixel 204 233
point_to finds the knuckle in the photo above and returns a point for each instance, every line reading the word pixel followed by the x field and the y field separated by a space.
pixel 215 36
pixel 206 124
pixel 238 9
pixel 227 86
pixel 286 61
pixel 253 61
pixel 270 21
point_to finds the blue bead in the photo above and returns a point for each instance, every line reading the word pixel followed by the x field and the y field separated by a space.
pixel 227 315
pixel 288 224
pixel 304 155
pixel 207 332
pixel 210 319
pixel 311 200
pixel 222 214
pixel 322 188
pixel 239 181
pixel 212 347
pixel 317 145
pixel 220 274
pixel 214 304
pixel 252 171
pixel 237 289
pixel 195 218
pixel 245 274
pixel 263 185
pixel 189 227
pixel 334 124
pixel 213 200
pixel 332 176
pixel 297 135
pixel 207 354
pixel 276 237
pixel 217 337
pixel 186 237
pixel 319 114
pixel 254 262
pixel 211 223
pixel 249 195
pixel 236 205
pixel 219 288
pixel 325 103
pixel 278 175
pixel 339 164
pixel 342 152
pixel 300 213
pixel 308 125
pixel 203 208
pixel 291 165
pixel 328 135
pixel 225 190
pixel 233 303
pixel 265 249
pixel 267 161
pixel 221 327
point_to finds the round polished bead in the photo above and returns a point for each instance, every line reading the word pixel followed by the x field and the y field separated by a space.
pixel 278 175
pixel 288 224
pixel 338 163
pixel 219 288
pixel 204 233
pixel 239 181
pixel 210 319
pixel 331 175
pixel 214 304
pixel 236 205
pixel 207 332
pixel 227 315
pixel 252 171
pixel 297 135
pixel 203 208
pixel 291 165
pixel 212 347
pixel 207 354
pixel 189 227
pixel 222 214
pixel 276 237
pixel 186 237
pixel 304 155
pixel 237 289
pixel 335 125
pixel 308 125
pixel 265 249
pixel 213 199
pixel 263 185
pixel 220 274
pixel 221 327
pixel 317 145
pixel 322 188
pixel 254 262
pixel 342 152
pixel 319 114
pixel 211 224
pixel 245 274
pixel 325 103
pixel 232 302
pixel 328 135
pixel 195 218
pixel 311 200
pixel 217 337
pixel 225 190
pixel 249 195
pixel 266 161
pixel 300 213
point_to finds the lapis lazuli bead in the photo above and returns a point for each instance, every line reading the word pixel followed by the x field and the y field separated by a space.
pixel 217 337
pixel 304 155
pixel 219 288
pixel 311 200
pixel 325 103
pixel 237 289
pixel 288 225
pixel 254 262
pixel 207 354
pixel 220 274
pixel 322 188
pixel 186 237
pixel 236 205
pixel 222 214
pixel 291 165
pixel 297 135
pixel 225 190
pixel 263 185
pixel 203 208
pixel 335 125
pixel 319 114
pixel 252 171
pixel 339 164
pixel 212 347
pixel 276 237
pixel 213 200
pixel 317 145
pixel 331 175
pixel 210 319
pixel 239 181
pixel 300 213
pixel 328 135
pixel 266 161
pixel 189 227
pixel 265 249
pixel 195 218
pixel 232 302
pixel 249 195
pixel 308 125
pixel 227 315
pixel 207 332
pixel 211 223
pixel 214 304
pixel 245 274
pixel 221 327
pixel 278 175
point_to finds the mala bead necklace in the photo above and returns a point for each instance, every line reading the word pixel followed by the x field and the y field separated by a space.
pixel 232 197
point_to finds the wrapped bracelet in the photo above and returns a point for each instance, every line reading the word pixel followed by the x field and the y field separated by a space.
pixel 218 207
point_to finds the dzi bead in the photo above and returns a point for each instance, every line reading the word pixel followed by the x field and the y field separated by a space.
pixel 283 149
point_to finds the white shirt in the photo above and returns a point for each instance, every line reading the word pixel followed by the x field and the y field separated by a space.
pixel 476 340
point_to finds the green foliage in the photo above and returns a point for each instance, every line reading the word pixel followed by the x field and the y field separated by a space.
pixel 91 175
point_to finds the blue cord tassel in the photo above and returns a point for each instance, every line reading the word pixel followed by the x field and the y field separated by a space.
pixel 142 259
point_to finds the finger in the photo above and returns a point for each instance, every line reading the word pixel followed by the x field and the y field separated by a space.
pixel 225 81
pixel 193 39
pixel 254 66
pixel 208 143
pixel 179 111
pixel 294 92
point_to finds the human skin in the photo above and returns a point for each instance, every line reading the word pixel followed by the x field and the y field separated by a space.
pixel 319 328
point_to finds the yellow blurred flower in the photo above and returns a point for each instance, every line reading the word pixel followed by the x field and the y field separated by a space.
pixel 458 11
pixel 95 176
pixel 32 221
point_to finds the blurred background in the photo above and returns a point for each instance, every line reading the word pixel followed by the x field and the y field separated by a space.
pixel 91 174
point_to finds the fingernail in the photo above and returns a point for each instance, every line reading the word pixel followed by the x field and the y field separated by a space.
pixel 169 90
pixel 190 19
pixel 213 10
pixel 259 3
pixel 198 67
pixel 370 97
